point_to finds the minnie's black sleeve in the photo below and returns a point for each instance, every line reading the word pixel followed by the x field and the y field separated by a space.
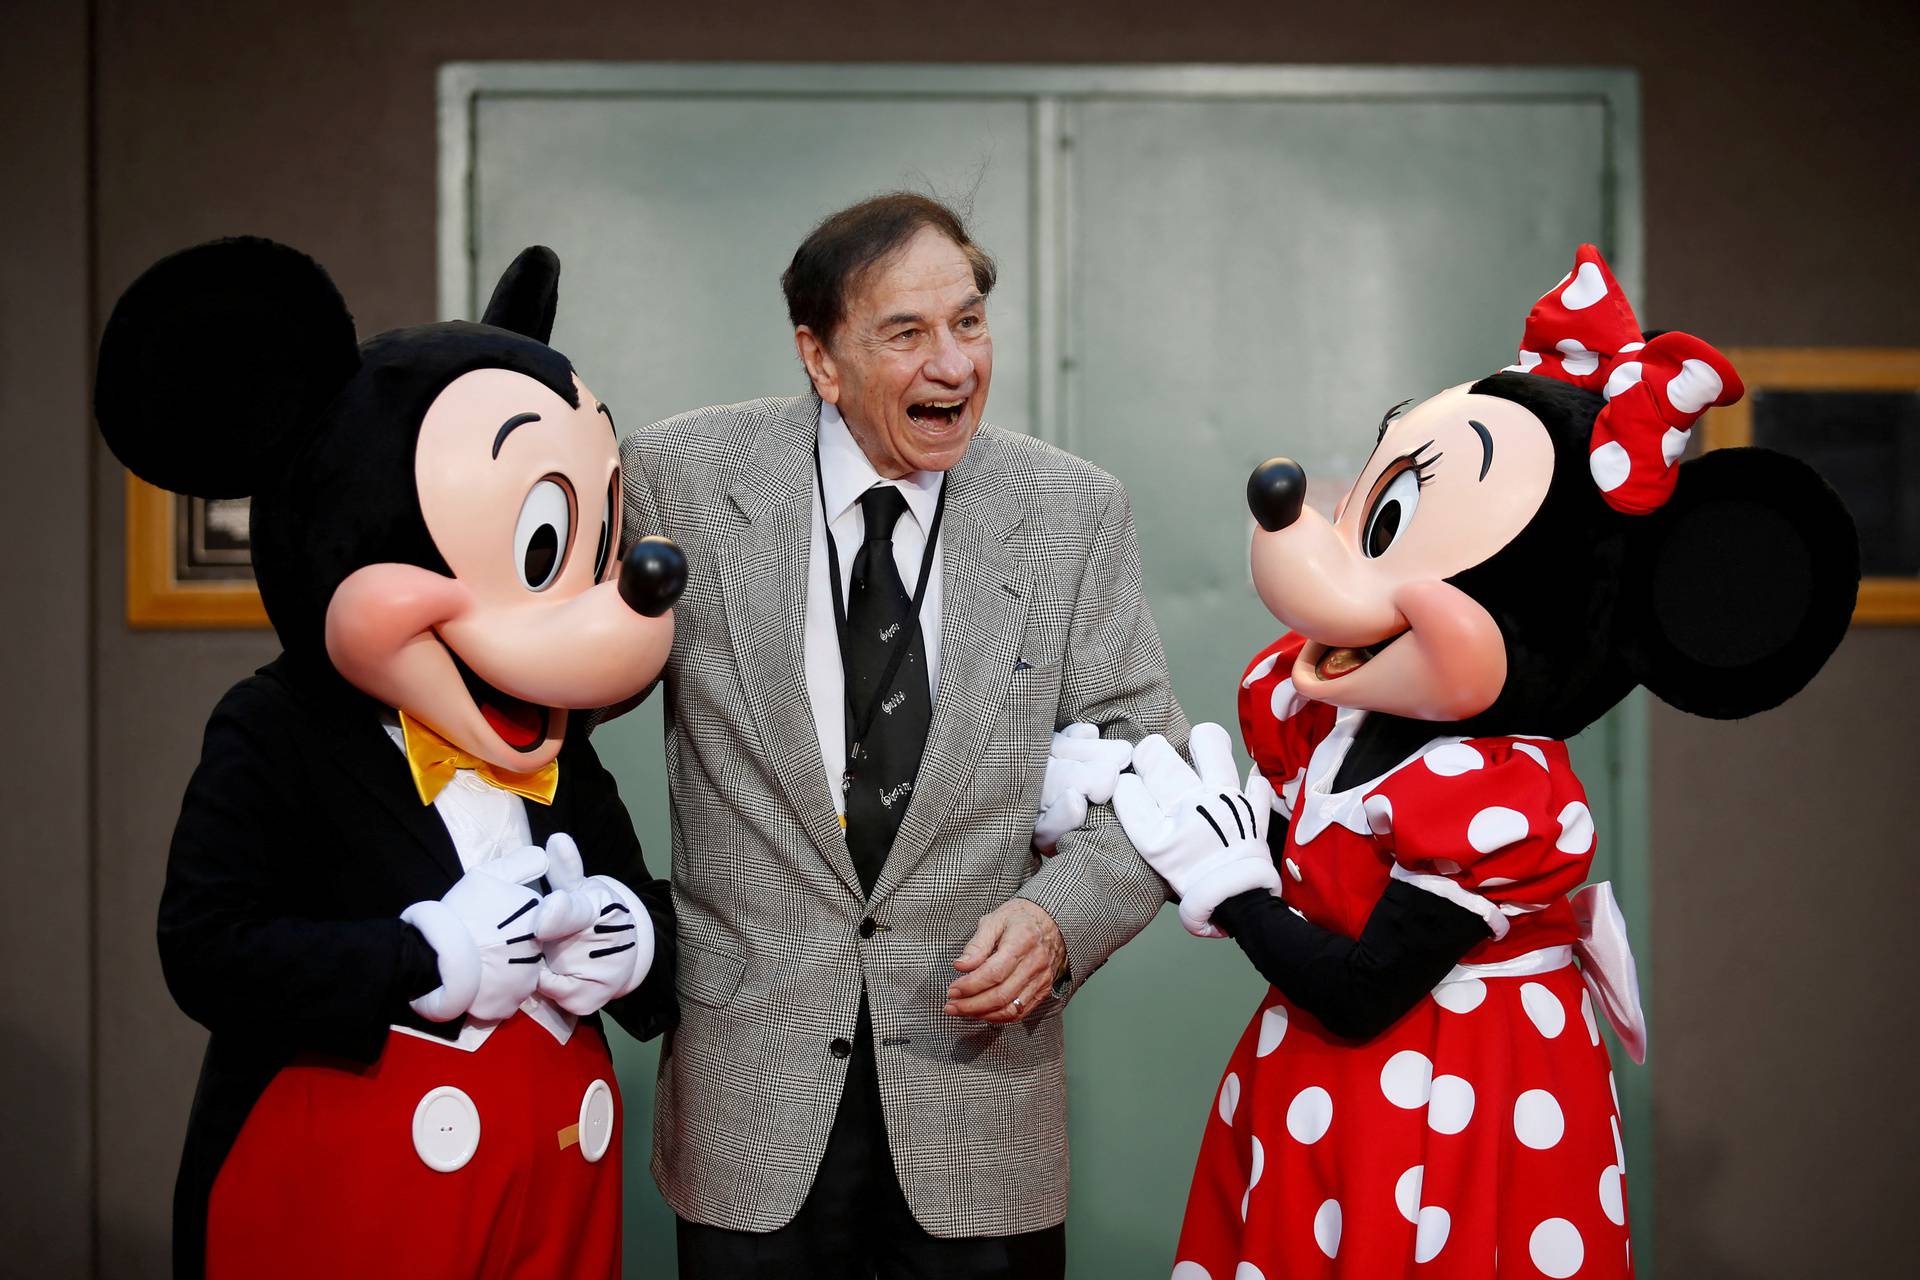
pixel 1356 987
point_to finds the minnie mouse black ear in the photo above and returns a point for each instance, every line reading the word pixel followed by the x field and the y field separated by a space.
pixel 528 294
pixel 215 359
pixel 1743 586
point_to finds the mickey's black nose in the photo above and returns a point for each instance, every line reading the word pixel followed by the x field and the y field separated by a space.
pixel 652 576
pixel 1275 492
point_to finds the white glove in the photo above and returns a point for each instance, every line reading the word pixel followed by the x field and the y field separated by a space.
pixel 595 934
pixel 482 934
pixel 1081 767
pixel 1204 834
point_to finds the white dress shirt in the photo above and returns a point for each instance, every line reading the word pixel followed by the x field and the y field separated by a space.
pixel 845 474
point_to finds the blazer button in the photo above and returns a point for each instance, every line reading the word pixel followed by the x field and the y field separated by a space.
pixel 840 1047
pixel 867 927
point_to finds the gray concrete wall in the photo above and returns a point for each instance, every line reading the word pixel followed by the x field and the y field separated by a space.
pixel 1781 182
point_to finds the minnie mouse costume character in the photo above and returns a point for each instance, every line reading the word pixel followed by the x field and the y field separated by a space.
pixel 407 1074
pixel 1424 1091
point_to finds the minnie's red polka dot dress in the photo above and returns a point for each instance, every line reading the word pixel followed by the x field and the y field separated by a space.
pixel 1480 1134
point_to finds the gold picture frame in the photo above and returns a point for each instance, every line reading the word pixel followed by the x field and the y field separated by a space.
pixel 1889 601
pixel 187 568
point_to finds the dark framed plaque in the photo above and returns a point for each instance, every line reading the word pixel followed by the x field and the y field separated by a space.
pixel 189 563
pixel 1854 415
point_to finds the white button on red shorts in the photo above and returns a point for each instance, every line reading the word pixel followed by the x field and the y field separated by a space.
pixel 446 1128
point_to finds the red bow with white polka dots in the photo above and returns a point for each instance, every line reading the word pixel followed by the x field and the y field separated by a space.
pixel 1584 332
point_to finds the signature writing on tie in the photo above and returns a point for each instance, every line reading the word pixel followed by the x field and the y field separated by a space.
pixel 893 701
pixel 888 632
pixel 892 795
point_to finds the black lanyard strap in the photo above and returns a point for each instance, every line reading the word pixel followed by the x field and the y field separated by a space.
pixel 856 736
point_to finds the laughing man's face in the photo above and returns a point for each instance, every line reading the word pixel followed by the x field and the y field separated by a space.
pixel 909 366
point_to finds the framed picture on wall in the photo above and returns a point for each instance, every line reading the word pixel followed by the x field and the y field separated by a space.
pixel 189 562
pixel 1854 415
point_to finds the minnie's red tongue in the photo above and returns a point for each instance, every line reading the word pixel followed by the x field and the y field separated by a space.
pixel 519 724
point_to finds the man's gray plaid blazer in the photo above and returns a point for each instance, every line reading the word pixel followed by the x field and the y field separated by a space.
pixel 1044 623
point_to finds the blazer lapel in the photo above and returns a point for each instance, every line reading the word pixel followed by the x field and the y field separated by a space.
pixel 763 580
pixel 985 594
pixel 364 752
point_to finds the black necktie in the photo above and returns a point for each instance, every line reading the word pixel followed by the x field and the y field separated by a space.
pixel 879 621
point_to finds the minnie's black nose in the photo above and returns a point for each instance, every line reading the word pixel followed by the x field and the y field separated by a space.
pixel 652 576
pixel 1275 492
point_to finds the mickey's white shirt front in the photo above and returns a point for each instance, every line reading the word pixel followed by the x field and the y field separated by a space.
pixel 845 474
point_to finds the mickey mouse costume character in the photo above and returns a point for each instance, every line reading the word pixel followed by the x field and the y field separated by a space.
pixel 407 1074
pixel 1424 1091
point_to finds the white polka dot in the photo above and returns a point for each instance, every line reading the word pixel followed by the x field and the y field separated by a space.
pixel 1556 1249
pixel 1625 347
pixel 1612 1198
pixel 1190 1271
pixel 1379 811
pixel 1622 377
pixel 1527 360
pixel 1610 466
pixel 1537 1121
pixel 1253 1180
pixel 1619 1150
pixel 1407 1079
pixel 1496 828
pixel 1576 829
pixel 1310 1114
pixel 1673 444
pixel 1612 1089
pixel 1544 1007
pixel 1445 866
pixel 1229 1097
pixel 1285 702
pixel 1534 754
pixel 1293 869
pixel 1463 995
pixel 1247 1271
pixel 1406 1192
pixel 1586 1014
pixel 1452 1105
pixel 1273 1029
pixel 1326 1228
pixel 1430 1236
pixel 1261 670
pixel 1588 287
pixel 1453 760
pixel 1694 388
pixel 1576 359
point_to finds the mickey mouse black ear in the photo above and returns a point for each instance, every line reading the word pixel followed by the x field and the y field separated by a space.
pixel 1744 584
pixel 215 359
pixel 528 294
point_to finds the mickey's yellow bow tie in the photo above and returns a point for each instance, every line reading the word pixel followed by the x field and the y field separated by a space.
pixel 434 761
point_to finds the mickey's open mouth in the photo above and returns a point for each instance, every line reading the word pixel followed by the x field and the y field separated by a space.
pixel 939 414
pixel 1331 664
pixel 521 725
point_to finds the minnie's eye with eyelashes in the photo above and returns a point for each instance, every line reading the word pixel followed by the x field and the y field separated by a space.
pixel 1397 499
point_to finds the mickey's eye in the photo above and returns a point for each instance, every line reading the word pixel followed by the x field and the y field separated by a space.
pixel 1392 511
pixel 606 529
pixel 540 538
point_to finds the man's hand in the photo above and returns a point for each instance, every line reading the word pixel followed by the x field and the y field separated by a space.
pixel 1009 964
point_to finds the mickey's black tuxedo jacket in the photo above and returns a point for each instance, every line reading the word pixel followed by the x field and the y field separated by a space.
pixel 301 840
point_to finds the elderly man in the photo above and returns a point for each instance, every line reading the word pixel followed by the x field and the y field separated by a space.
pixel 893 606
